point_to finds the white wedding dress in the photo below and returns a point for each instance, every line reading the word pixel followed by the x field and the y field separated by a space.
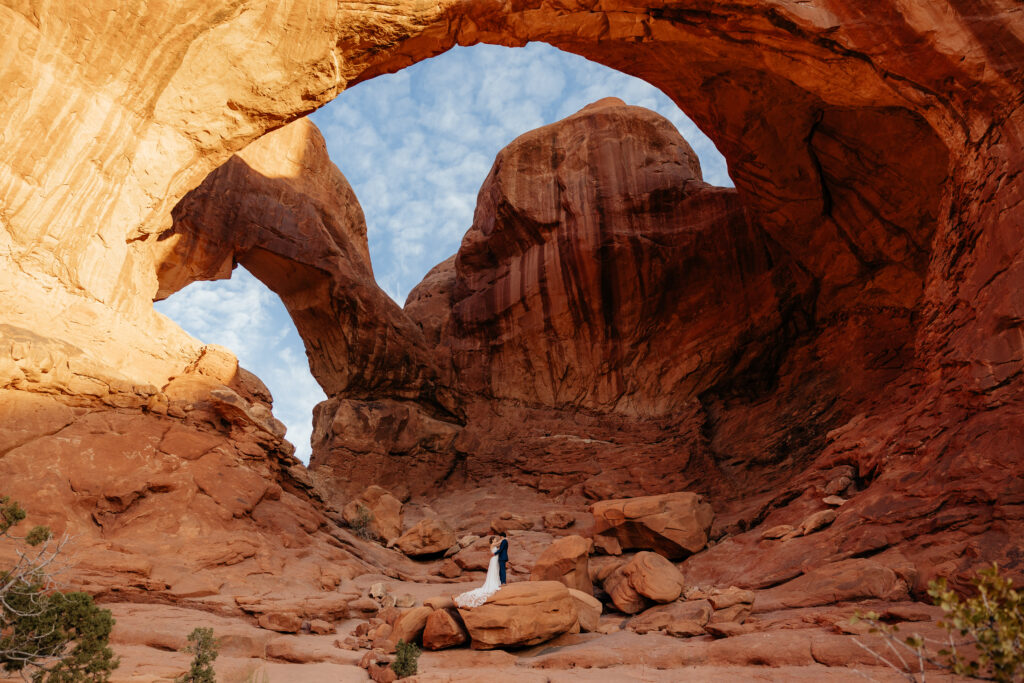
pixel 492 583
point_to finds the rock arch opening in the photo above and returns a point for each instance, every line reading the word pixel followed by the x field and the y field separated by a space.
pixel 416 145
pixel 716 334
pixel 243 315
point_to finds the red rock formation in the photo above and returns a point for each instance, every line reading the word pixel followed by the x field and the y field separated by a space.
pixel 873 242
pixel 285 212
pixel 190 496
pixel 177 483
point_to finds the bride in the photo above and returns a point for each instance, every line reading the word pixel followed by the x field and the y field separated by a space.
pixel 492 583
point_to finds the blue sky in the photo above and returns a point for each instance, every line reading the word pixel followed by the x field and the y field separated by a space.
pixel 415 147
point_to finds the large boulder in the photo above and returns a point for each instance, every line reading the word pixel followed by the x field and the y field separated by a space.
pixel 475 556
pixel 428 537
pixel 410 624
pixel 673 524
pixel 521 614
pixel 385 512
pixel 566 560
pixel 282 622
pixel 647 578
pixel 444 629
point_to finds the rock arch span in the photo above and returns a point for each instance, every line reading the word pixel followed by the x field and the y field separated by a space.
pixel 876 145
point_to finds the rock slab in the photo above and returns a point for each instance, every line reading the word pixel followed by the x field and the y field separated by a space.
pixel 674 524
pixel 521 614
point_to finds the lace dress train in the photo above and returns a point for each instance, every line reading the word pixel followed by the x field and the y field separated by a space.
pixel 492 583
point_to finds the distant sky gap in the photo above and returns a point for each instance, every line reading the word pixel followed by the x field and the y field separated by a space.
pixel 416 147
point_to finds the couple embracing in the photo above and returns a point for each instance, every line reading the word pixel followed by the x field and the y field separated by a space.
pixel 495 576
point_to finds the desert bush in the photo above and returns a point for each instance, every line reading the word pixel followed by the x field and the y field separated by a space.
pixel 990 626
pixel 45 634
pixel 406 657
pixel 361 524
pixel 204 650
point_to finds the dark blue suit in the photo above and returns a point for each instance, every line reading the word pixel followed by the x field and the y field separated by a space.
pixel 502 559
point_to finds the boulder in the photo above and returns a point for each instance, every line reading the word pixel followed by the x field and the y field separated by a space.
pixel 389 615
pixel 321 627
pixel 380 637
pixel 648 577
pixel 508 521
pixel 365 605
pixel 450 569
pixel 566 560
pixel 410 624
pixel 282 622
pixel 440 602
pixel 466 541
pixel 385 511
pixel 735 614
pixel 428 537
pixel 673 524
pixel 443 630
pixel 680 619
pixel 378 665
pixel 558 519
pixel 475 556
pixel 838 485
pixel 382 673
pixel 720 599
pixel 521 614
pixel 589 609
pixel 601 566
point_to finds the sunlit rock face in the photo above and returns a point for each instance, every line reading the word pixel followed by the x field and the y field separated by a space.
pixel 873 239
pixel 612 325
pixel 285 212
pixel 601 272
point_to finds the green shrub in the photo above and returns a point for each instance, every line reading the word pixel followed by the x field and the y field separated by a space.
pixel 361 524
pixel 991 624
pixel 47 635
pixel 992 621
pixel 203 646
pixel 406 656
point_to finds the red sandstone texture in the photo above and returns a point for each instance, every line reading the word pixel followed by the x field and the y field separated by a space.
pixel 613 326
pixel 846 322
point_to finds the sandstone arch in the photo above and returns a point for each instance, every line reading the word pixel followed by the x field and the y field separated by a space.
pixel 876 142
pixel 758 77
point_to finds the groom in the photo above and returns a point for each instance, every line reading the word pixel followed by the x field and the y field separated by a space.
pixel 502 558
